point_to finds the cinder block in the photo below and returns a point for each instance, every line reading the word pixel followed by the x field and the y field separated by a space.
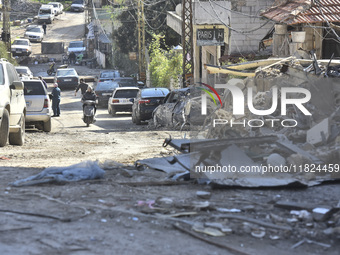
pixel 319 133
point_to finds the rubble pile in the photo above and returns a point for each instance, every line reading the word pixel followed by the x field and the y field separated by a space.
pixel 317 134
pixel 21 9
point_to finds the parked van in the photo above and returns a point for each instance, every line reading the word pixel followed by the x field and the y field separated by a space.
pixel 46 13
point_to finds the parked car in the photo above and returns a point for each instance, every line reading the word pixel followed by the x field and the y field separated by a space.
pixel 164 114
pixel 108 75
pixel 126 82
pixel 78 6
pixel 21 47
pixel 104 91
pixel 58 7
pixel 35 33
pixel 77 47
pixel 12 106
pixel 146 101
pixel 66 78
pixel 24 72
pixel 182 106
pixel 38 105
pixel 122 100
pixel 46 13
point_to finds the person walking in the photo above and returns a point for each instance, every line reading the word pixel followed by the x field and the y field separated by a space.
pixel 44 27
pixel 56 100
pixel 72 57
pixel 82 86
pixel 45 84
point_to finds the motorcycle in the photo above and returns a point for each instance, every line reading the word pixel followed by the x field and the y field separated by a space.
pixel 51 70
pixel 89 110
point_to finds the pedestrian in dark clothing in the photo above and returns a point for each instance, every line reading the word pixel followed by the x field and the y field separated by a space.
pixel 56 100
pixel 89 95
pixel 45 84
pixel 72 57
pixel 82 86
pixel 44 27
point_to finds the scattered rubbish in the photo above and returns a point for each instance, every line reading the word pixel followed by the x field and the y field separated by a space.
pixel 87 170
pixel 148 203
pixel 225 230
pixel 203 194
pixel 259 233
pixel 207 230
pixel 225 210
pixel 218 244
pixel 310 241
pixel 103 220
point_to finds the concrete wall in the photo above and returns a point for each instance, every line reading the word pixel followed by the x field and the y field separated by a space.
pixel 248 42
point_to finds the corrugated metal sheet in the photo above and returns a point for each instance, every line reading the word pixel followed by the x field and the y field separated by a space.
pixel 303 11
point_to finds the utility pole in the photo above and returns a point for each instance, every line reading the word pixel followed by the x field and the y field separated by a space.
pixel 6 29
pixel 187 42
pixel 141 40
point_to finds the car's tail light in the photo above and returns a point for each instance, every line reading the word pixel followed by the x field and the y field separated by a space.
pixel 46 103
pixel 115 101
pixel 144 101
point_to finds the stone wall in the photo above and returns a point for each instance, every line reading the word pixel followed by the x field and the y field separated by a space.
pixel 22 9
pixel 248 42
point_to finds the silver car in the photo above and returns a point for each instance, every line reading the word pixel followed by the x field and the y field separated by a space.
pixel 38 105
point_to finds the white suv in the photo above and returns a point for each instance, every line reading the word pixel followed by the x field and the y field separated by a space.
pixel 12 106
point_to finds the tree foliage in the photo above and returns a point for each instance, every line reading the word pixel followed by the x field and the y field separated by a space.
pixel 155 22
pixel 165 64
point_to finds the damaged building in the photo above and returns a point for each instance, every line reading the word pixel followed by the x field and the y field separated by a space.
pixel 304 26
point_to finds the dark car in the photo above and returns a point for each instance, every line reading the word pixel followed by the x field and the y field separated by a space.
pixel 66 78
pixel 126 82
pixel 104 90
pixel 147 100
pixel 108 75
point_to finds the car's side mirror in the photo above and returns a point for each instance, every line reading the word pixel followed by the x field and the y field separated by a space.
pixel 17 85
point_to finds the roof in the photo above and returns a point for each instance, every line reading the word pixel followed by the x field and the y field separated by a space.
pixel 303 11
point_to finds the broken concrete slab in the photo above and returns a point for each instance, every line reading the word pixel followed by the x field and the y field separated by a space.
pixel 320 133
pixel 166 164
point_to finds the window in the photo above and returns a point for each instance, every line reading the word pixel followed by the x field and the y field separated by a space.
pixel 12 74
pixel 2 78
pixel 126 93
pixel 34 88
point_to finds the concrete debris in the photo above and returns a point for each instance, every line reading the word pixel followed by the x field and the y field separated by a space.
pixel 203 194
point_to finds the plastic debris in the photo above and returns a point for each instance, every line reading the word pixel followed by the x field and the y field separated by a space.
pixel 87 170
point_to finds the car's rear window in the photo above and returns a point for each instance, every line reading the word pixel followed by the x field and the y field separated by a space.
pixel 109 74
pixel 21 70
pixel 66 72
pixel 34 88
pixel 106 86
pixel 128 93
pixel 126 83
pixel 154 92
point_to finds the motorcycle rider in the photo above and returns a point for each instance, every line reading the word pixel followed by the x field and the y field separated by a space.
pixel 89 95
pixel 51 69
pixel 82 86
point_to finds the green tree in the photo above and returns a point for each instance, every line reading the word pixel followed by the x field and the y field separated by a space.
pixel 165 64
